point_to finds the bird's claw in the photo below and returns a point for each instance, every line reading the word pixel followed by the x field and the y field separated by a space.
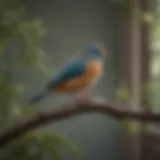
pixel 82 99
pixel 99 100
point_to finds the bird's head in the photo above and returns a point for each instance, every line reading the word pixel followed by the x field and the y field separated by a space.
pixel 94 51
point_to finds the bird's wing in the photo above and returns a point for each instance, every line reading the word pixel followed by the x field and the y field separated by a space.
pixel 69 72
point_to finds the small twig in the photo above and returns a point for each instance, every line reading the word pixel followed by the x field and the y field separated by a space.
pixel 71 110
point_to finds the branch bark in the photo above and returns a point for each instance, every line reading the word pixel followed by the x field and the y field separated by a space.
pixel 70 110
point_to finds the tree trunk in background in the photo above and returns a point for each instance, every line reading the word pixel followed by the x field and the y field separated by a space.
pixel 135 48
pixel 146 51
pixel 145 78
pixel 135 103
pixel 123 75
pixel 124 56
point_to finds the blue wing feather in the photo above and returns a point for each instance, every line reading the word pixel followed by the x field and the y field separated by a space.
pixel 72 70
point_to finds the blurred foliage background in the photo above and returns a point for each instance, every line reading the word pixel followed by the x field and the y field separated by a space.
pixel 150 91
pixel 20 48
pixel 155 58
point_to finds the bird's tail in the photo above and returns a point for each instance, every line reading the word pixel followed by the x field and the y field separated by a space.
pixel 38 97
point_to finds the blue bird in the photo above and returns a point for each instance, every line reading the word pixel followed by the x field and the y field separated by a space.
pixel 75 77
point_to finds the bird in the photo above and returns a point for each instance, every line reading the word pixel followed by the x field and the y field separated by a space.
pixel 77 75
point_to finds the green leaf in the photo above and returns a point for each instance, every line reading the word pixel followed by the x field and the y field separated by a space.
pixel 122 95
pixel 130 126
pixel 54 144
pixel 148 18
pixel 26 36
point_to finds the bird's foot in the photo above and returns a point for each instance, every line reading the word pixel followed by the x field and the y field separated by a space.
pixel 99 100
pixel 82 98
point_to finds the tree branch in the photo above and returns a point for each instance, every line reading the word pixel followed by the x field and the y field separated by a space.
pixel 71 110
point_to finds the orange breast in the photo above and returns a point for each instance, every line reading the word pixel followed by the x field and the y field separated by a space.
pixel 92 73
